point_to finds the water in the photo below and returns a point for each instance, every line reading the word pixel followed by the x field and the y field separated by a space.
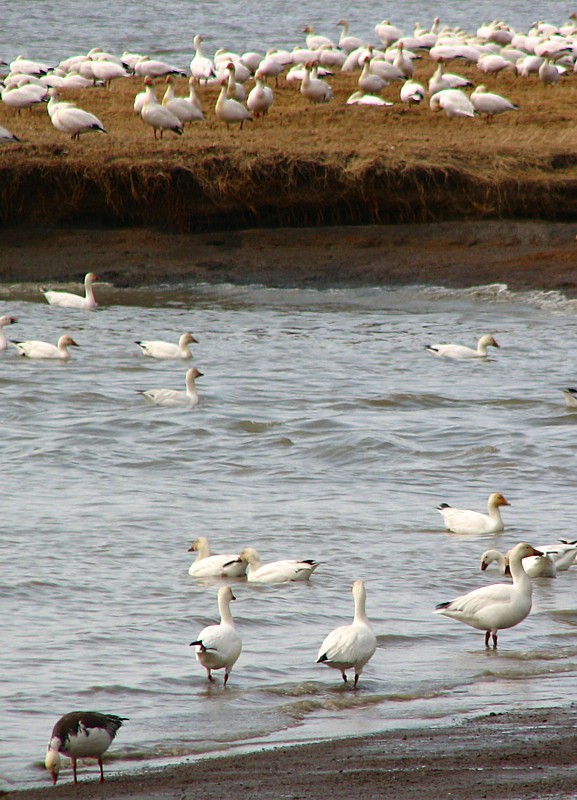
pixel 41 28
pixel 325 431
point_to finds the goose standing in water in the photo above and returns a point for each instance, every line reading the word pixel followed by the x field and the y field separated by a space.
pixel 37 349
pixel 459 520
pixel 174 397
pixel 276 571
pixel 5 320
pixel 157 349
pixel 219 646
pixel 501 605
pixel 223 565
pixel 459 351
pixel 81 734
pixel 71 300
pixel 350 646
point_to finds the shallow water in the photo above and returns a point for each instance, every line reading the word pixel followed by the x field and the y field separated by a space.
pixel 325 431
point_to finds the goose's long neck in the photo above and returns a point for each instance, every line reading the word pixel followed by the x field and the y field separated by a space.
pixel 222 97
pixel 191 386
pixel 494 513
pixel 360 597
pixel 88 292
pixel 520 578
pixel 224 610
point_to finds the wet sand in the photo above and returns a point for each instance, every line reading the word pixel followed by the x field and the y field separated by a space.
pixel 517 756
pixel 524 255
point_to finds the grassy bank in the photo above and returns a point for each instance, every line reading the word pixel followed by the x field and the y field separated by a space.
pixel 302 165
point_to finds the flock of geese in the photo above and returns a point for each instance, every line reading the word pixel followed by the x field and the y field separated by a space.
pixel 490 608
pixel 546 51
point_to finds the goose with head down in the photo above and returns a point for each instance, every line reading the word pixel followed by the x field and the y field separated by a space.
pixel 501 605
pixel 460 351
pixel 276 571
pixel 542 566
pixel 460 520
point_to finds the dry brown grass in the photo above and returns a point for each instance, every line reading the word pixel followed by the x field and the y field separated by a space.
pixel 302 164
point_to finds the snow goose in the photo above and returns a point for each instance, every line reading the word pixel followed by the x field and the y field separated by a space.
pixel 460 351
pixel 346 41
pixel 275 571
pixel 315 89
pixel 273 64
pixel 388 33
pixel 107 71
pixel 71 300
pixel 542 566
pixel 158 349
pixel 370 82
pixel 174 397
pixel 219 646
pixel 228 110
pixel 570 395
pixel 27 66
pixel 181 107
pixel 156 116
pixel 460 520
pixel 501 605
pixel 201 67
pixel 234 89
pixel 489 103
pixel 260 97
pixel 24 96
pixel 453 102
pixel 440 80
pixel 37 349
pixel 361 99
pixel 224 565
pixel 563 553
pixel 5 320
pixel 81 734
pixel 315 40
pixel 67 118
pixel 492 63
pixel 549 73
pixel 350 646
pixel 151 68
pixel 412 93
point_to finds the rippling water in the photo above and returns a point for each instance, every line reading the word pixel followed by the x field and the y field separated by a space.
pixel 325 431
pixel 42 28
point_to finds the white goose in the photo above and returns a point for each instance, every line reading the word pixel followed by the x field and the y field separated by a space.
pixel 460 520
pixel 219 646
pixel 5 320
pixel 201 67
pixel 260 97
pixel 347 42
pixel 315 89
pixel 535 566
pixel 181 107
pixel 23 96
pixel 275 571
pixel 223 565
pixel 156 116
pixel 7 136
pixel 412 93
pixel 490 104
pixel 228 110
pixel 71 300
pixel 453 102
pixel 174 397
pixel 459 351
pixel 350 646
pixel 67 118
pixel 368 81
pixel 501 605
pixel 158 349
pixel 81 734
pixel 38 349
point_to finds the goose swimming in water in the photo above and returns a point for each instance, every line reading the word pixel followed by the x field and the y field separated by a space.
pixel 5 320
pixel 276 571
pixel 542 566
pixel 71 300
pixel 38 349
pixel 219 646
pixel 350 646
pixel 501 605
pixel 158 349
pixel 174 397
pixel 81 734
pixel 461 352
pixel 459 520
pixel 223 565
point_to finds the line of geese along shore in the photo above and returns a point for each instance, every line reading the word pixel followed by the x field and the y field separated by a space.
pixel 547 52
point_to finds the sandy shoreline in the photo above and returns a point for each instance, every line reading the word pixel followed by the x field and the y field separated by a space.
pixel 524 255
pixel 518 756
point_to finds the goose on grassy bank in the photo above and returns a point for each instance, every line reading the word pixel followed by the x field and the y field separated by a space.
pixel 181 107
pixel 38 349
pixel 501 605
pixel 81 734
pixel 459 520
pixel 230 111
pixel 175 397
pixel 207 565
pixel 350 646
pixel 219 646
pixel 68 118
pixel 489 103
pixel 460 351
pixel 156 116
pixel 155 348
pixel 71 300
